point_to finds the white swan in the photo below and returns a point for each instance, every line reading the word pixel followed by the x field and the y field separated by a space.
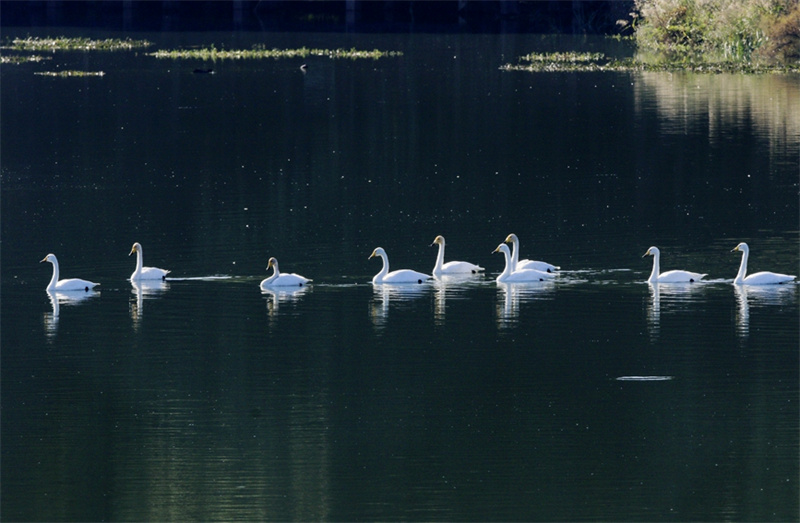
pixel 398 276
pixel 282 280
pixel 145 273
pixel 759 278
pixel 517 264
pixel 71 284
pixel 522 275
pixel 451 267
pixel 676 276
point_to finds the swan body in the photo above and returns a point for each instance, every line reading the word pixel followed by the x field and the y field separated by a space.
pixel 70 284
pixel 451 267
pixel 282 280
pixel 522 275
pixel 398 276
pixel 759 278
pixel 517 264
pixel 676 276
pixel 145 273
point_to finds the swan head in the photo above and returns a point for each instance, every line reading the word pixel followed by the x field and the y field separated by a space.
pixel 377 252
pixel 652 251
pixel 273 262
pixel 49 258
pixel 439 240
pixel 741 247
pixel 502 248
pixel 511 238
pixel 136 248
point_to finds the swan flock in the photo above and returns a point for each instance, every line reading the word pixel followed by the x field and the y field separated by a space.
pixel 515 270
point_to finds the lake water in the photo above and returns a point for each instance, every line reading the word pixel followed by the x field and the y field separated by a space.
pixel 593 397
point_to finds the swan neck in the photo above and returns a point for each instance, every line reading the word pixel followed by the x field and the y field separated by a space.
pixel 139 261
pixel 656 268
pixel 439 259
pixel 742 268
pixel 508 268
pixel 54 280
pixel 514 255
pixel 385 269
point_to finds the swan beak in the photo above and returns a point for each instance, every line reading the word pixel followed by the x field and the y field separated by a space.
pixel 735 249
pixel 496 250
pixel 43 260
pixel 132 251
pixel 645 254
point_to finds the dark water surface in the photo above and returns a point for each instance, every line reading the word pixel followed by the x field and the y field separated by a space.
pixel 596 396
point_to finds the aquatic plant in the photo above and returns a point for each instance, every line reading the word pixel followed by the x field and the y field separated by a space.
pixel 67 74
pixel 582 62
pixel 262 52
pixel 21 59
pixel 63 43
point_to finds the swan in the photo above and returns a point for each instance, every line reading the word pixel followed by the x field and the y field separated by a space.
pixel 71 284
pixel 145 273
pixel 677 276
pixel 452 267
pixel 398 276
pixel 517 264
pixel 522 275
pixel 282 280
pixel 759 278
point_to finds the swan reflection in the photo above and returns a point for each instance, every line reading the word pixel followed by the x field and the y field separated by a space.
pixel 62 298
pixel 144 289
pixel 511 294
pixel 281 295
pixel 757 296
pixel 676 294
pixel 384 293
pixel 449 285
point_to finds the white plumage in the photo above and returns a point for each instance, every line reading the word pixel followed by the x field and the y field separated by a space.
pixel 70 284
pixel 145 273
pixel 451 267
pixel 758 278
pixel 282 280
pixel 676 276
pixel 398 276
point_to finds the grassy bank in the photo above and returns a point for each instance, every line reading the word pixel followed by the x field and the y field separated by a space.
pixel 755 32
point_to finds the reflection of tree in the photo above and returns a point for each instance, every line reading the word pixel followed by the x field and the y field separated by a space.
pixel 715 137
pixel 770 103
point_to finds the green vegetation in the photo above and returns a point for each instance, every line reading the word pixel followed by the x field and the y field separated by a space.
pixel 751 33
pixel 711 36
pixel 261 52
pixel 21 59
pixel 71 74
pixel 63 43
pixel 581 62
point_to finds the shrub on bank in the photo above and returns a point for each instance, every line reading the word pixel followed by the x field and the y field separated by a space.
pixel 718 30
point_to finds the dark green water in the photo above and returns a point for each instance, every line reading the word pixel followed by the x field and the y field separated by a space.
pixel 593 397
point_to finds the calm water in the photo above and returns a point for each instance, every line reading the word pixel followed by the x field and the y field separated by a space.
pixel 594 397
